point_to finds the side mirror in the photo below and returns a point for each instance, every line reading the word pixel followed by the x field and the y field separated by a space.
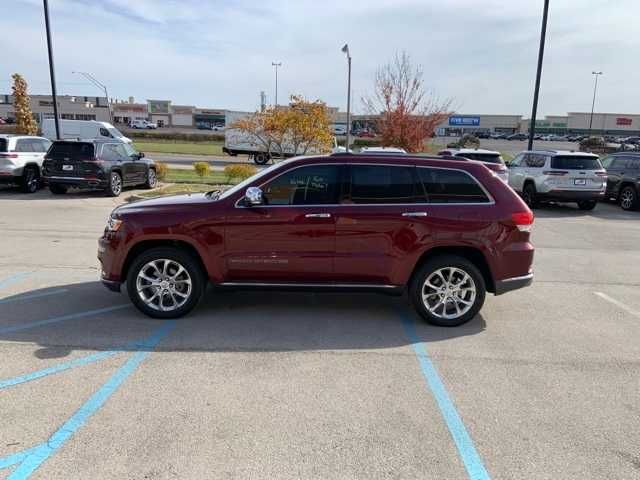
pixel 253 196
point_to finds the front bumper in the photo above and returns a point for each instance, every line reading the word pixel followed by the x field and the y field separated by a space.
pixel 111 261
pixel 514 283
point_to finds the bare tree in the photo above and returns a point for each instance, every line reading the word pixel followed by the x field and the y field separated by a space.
pixel 409 114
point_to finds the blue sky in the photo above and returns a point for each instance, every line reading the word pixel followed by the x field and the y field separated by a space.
pixel 215 53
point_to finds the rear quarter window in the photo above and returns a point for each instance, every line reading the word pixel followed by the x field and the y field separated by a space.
pixel 3 144
pixel 451 186
pixel 71 150
pixel 568 162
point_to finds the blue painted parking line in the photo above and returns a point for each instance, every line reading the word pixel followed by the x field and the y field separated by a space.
pixel 72 316
pixel 33 295
pixel 28 463
pixel 466 449
pixel 6 282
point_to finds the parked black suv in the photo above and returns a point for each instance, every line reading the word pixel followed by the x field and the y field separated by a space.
pixel 97 164
pixel 623 179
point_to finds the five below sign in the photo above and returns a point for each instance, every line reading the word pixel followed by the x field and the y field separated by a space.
pixel 464 121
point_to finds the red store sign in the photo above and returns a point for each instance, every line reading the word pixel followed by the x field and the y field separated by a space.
pixel 624 121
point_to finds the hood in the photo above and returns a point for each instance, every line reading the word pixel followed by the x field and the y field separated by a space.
pixel 163 202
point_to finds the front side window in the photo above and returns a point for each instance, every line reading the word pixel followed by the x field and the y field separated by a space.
pixel 312 185
pixel 518 160
pixel 24 145
pixel 110 152
pixel 451 186
pixel 384 184
pixel 606 162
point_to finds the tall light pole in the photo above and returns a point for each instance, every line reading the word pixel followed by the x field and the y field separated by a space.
pixel 276 65
pixel 52 73
pixel 345 50
pixel 593 104
pixel 101 86
pixel 534 110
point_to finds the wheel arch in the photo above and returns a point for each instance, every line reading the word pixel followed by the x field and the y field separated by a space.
pixel 473 254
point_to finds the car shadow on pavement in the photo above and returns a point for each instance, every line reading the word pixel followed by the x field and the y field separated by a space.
pixel 14 193
pixel 87 317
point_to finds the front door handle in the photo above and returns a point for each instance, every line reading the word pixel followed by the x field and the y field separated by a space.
pixel 317 215
pixel 414 214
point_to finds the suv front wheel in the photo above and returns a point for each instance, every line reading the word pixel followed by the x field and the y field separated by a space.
pixel 165 282
pixel 114 188
pixel 448 290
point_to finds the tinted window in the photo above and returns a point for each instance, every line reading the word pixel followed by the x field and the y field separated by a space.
pixel 384 184
pixel 3 145
pixel 634 163
pixel 110 152
pixel 71 150
pixel 567 162
pixel 451 186
pixel 618 163
pixel 312 185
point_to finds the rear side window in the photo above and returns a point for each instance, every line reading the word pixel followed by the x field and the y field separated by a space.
pixel 24 145
pixel 3 144
pixel 384 184
pixel 567 162
pixel 451 186
pixel 71 150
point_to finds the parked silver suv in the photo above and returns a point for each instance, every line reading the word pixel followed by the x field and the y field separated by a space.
pixel 557 175
pixel 21 158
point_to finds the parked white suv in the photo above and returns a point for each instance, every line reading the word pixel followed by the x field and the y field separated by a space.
pixel 21 160
pixel 143 124
pixel 558 175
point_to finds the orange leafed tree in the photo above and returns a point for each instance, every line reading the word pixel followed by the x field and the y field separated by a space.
pixel 408 113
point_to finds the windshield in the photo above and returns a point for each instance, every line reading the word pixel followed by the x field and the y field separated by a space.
pixel 568 162
pixel 242 185
pixel 483 157
pixel 115 132
pixel 129 149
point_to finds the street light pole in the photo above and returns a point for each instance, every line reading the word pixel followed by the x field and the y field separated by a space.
pixel 103 87
pixel 534 110
pixel 345 49
pixel 593 104
pixel 276 65
pixel 52 73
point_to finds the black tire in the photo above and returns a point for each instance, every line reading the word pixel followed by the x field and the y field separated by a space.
pixel 114 187
pixel 529 195
pixel 152 179
pixel 261 158
pixel 181 257
pixel 628 198
pixel 57 189
pixel 587 204
pixel 445 262
pixel 30 180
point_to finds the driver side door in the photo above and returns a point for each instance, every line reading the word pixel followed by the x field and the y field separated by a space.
pixel 291 236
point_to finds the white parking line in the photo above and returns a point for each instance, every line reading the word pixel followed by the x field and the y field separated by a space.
pixel 618 303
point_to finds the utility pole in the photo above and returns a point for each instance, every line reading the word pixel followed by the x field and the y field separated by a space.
pixel 51 69
pixel 345 50
pixel 101 86
pixel 593 104
pixel 276 65
pixel 543 34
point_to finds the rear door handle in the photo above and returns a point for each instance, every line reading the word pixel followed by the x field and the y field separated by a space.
pixel 317 215
pixel 414 214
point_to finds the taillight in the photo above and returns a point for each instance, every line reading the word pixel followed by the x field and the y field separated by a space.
pixel 555 173
pixel 601 173
pixel 523 220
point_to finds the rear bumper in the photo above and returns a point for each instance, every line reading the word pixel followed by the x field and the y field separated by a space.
pixel 514 283
pixel 80 182
pixel 571 195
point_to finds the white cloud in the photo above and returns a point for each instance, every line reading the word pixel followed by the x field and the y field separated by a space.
pixel 218 53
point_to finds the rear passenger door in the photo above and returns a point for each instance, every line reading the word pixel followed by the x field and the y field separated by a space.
pixel 379 224
pixel 615 171
pixel 516 172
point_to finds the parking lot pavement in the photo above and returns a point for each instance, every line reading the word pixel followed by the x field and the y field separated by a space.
pixel 512 147
pixel 543 384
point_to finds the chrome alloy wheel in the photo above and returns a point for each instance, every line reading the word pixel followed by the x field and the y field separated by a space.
pixel 163 285
pixel 627 198
pixel 116 184
pixel 449 293
pixel 152 179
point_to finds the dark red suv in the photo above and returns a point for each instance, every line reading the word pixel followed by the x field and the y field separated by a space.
pixel 446 231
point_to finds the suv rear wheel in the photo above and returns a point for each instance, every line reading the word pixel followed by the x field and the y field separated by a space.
pixel 529 195
pixel 448 290
pixel 165 282
pixel 152 179
pixel 628 198
pixel 587 204
pixel 30 180
pixel 57 189
pixel 115 185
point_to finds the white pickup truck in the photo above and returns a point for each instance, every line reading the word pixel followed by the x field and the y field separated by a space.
pixel 237 142
pixel 145 124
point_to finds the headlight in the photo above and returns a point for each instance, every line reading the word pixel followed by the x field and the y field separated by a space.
pixel 113 224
